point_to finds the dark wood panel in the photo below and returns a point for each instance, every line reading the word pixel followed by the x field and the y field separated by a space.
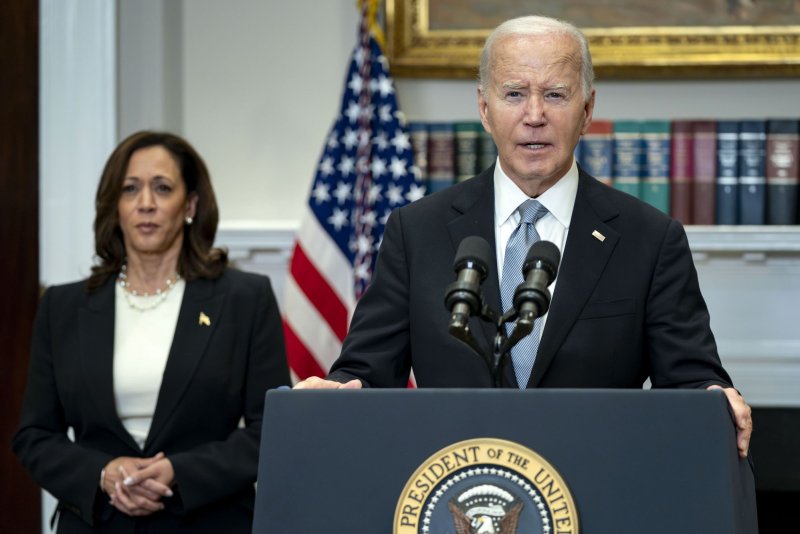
pixel 775 446
pixel 776 449
pixel 19 243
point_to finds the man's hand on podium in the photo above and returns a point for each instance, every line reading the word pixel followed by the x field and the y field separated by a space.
pixel 315 382
pixel 742 415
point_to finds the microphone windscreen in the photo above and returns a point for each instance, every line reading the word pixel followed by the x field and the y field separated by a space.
pixel 544 255
pixel 474 250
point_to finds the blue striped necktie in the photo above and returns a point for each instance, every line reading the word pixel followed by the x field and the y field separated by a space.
pixel 523 353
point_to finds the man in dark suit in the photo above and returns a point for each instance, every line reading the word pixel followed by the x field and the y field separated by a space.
pixel 626 302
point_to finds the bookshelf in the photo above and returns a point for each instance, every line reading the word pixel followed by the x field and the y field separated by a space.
pixel 702 172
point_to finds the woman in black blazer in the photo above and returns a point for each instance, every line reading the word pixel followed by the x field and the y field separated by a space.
pixel 147 380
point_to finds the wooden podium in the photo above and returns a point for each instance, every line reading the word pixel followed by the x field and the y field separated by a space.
pixel 632 461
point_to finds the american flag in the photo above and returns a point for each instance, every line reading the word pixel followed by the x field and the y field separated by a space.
pixel 365 171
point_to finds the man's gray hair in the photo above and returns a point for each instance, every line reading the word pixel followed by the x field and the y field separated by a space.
pixel 537 25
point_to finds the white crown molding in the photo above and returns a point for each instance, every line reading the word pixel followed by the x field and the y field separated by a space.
pixel 272 235
pixel 744 239
pixel 245 239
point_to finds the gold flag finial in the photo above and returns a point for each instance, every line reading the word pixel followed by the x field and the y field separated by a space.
pixel 369 10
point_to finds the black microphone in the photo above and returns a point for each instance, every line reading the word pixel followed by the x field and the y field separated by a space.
pixel 463 297
pixel 532 298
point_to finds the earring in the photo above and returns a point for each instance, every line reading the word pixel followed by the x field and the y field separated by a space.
pixel 189 221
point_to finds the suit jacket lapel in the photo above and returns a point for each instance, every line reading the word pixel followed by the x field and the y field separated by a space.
pixel 200 313
pixel 474 216
pixel 584 259
pixel 96 332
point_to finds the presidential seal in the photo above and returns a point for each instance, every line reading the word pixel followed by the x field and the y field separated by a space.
pixel 486 486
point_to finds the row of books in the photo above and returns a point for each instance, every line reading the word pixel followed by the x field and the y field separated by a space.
pixel 449 152
pixel 700 171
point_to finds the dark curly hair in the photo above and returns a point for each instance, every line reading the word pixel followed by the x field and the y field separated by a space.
pixel 197 258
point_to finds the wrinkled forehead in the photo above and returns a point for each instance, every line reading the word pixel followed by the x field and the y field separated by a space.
pixel 536 56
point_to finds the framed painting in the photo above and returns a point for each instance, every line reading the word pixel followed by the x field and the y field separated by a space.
pixel 628 38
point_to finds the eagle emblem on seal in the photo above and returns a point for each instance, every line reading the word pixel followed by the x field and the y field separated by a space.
pixel 485 509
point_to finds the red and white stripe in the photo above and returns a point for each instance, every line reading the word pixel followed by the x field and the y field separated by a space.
pixel 319 301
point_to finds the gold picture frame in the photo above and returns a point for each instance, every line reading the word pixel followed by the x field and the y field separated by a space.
pixel 418 50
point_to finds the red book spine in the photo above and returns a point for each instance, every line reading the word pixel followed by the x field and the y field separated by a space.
pixel 681 170
pixel 705 172
pixel 441 156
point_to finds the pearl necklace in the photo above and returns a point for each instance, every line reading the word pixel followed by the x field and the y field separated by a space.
pixel 144 301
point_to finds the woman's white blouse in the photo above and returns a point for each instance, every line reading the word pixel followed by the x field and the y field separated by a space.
pixel 142 341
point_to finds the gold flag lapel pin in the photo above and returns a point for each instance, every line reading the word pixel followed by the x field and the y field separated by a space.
pixel 597 235
pixel 204 319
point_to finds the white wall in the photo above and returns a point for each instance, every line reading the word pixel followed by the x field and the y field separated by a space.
pixel 149 65
pixel 263 84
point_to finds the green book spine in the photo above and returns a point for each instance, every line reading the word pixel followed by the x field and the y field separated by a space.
pixel 655 175
pixel 627 169
pixel 466 149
